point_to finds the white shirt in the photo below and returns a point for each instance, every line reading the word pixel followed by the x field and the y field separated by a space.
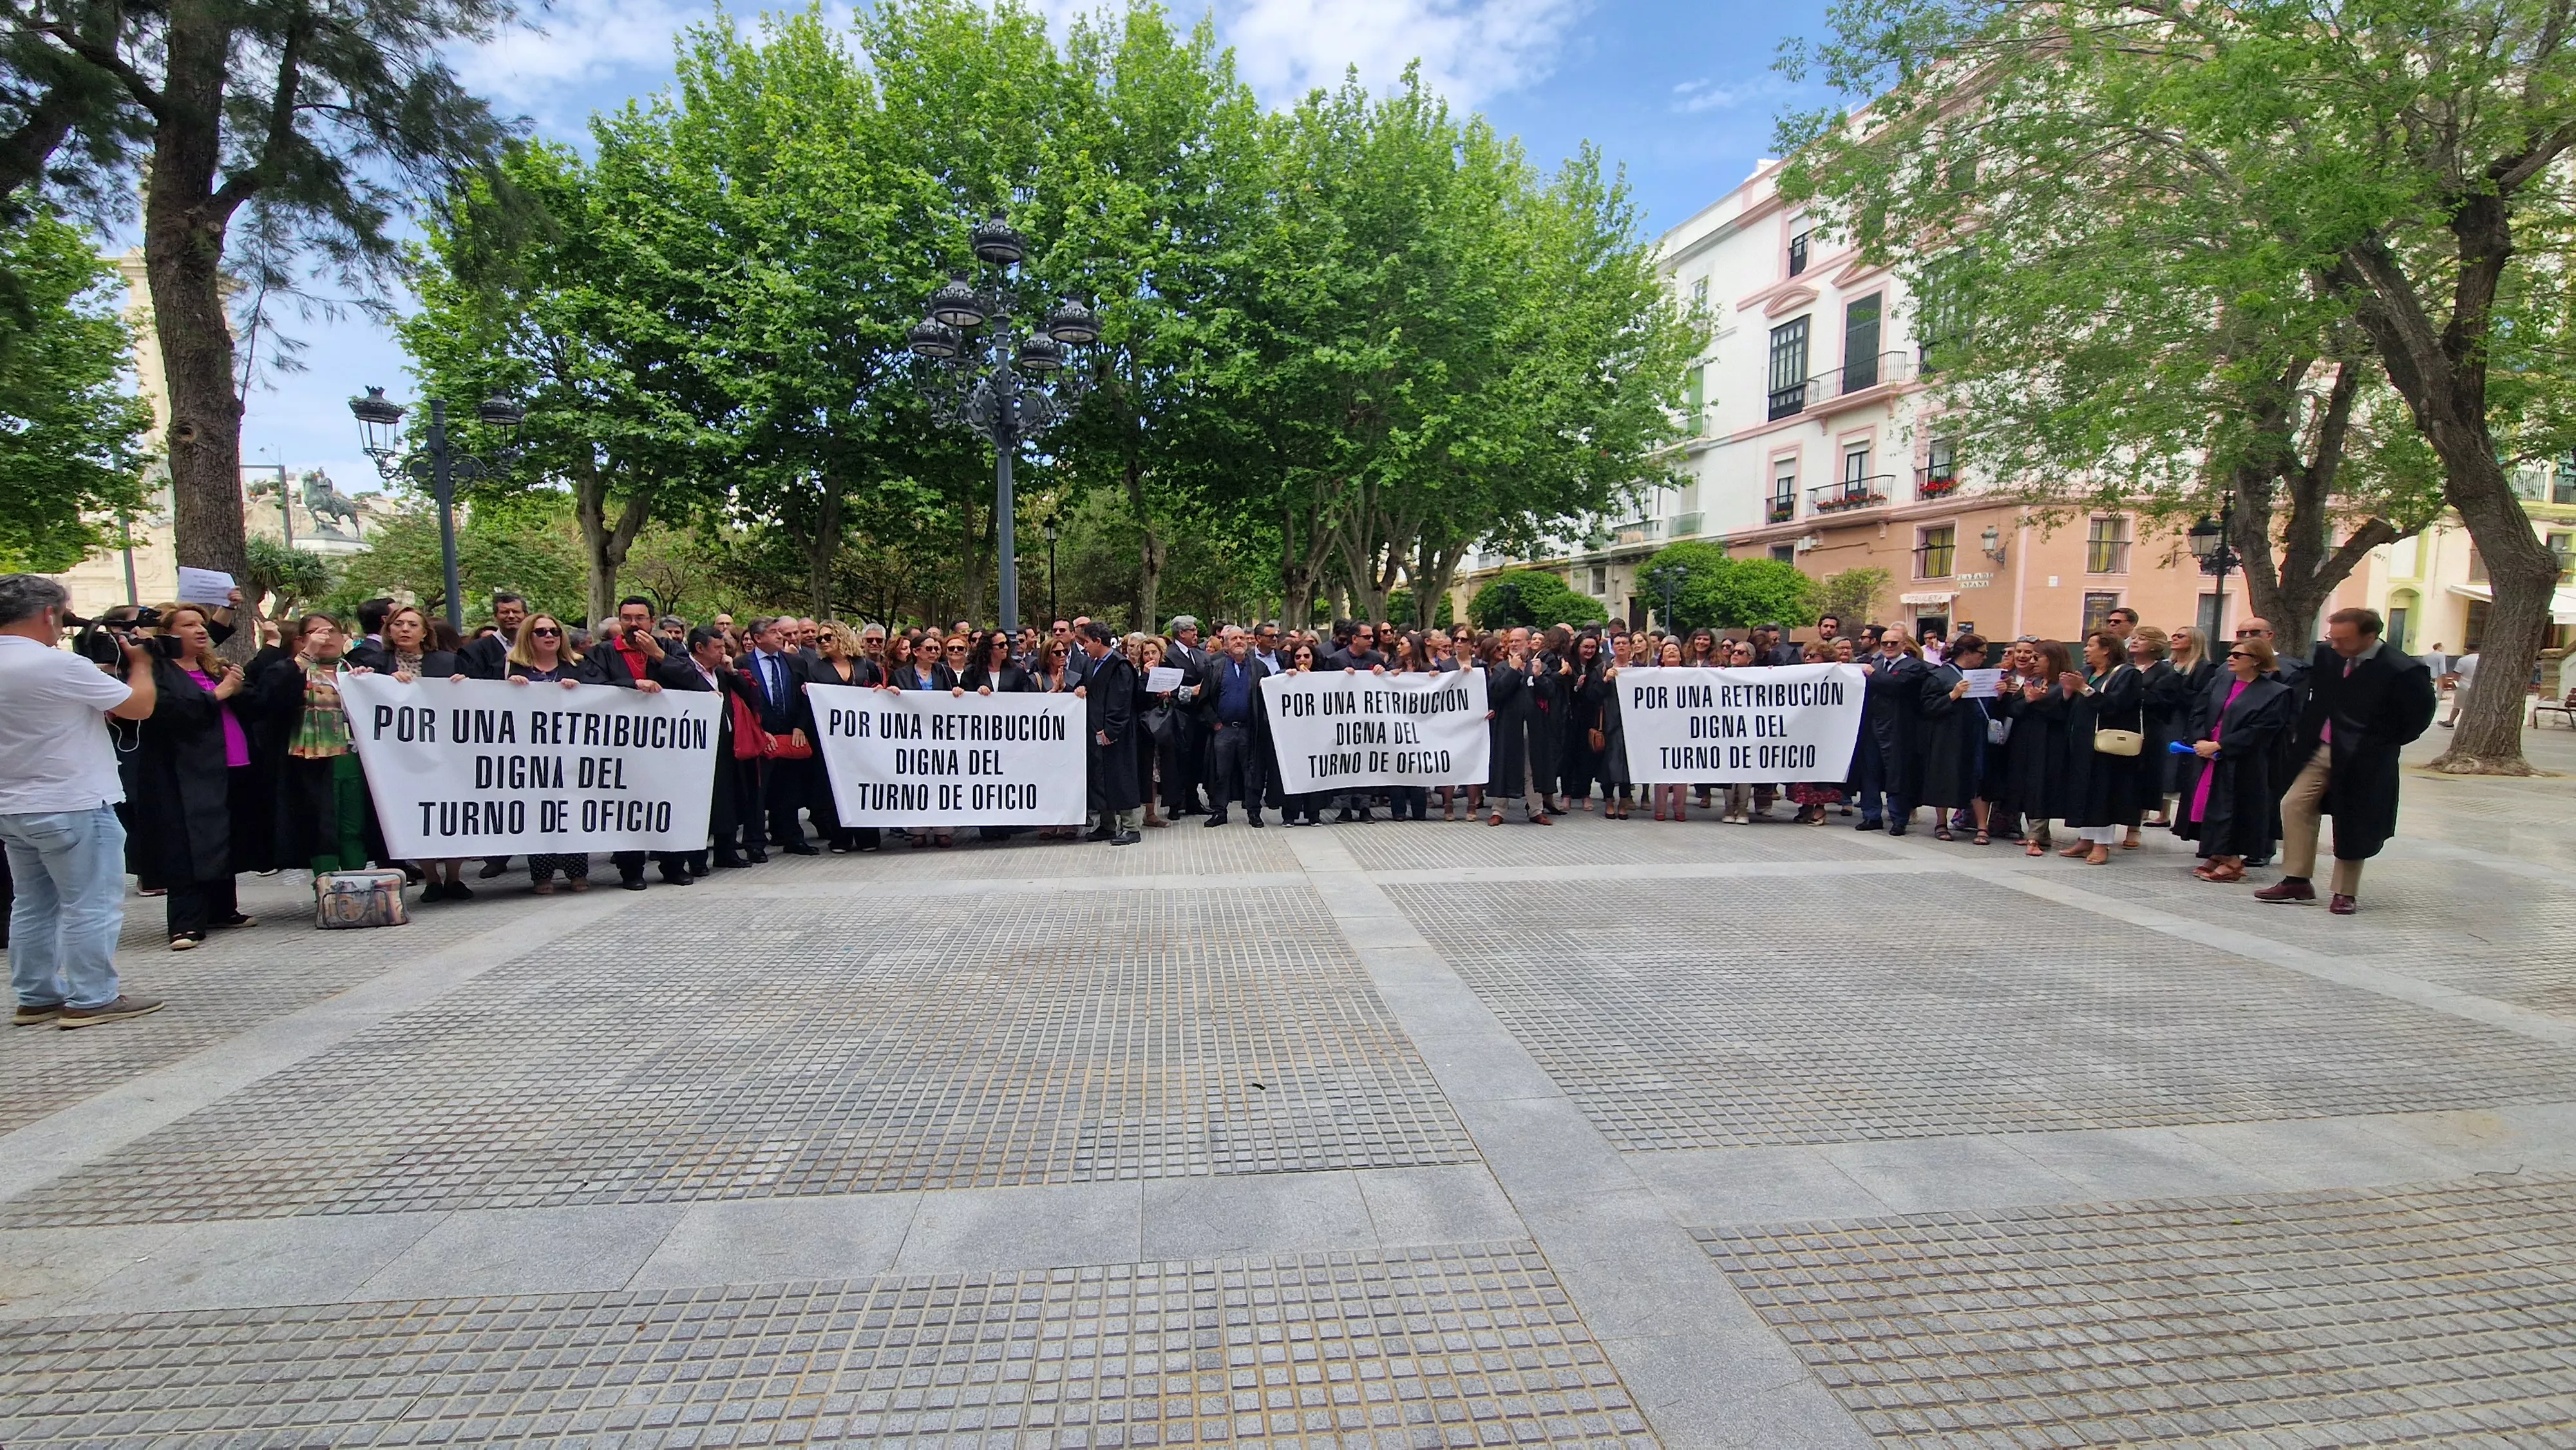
pixel 2466 667
pixel 54 751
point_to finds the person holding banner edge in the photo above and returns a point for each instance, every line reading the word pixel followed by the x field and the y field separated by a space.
pixel 1109 715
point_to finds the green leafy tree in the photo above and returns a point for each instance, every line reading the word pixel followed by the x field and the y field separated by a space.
pixel 320 122
pixel 1531 597
pixel 1852 596
pixel 1748 592
pixel 71 436
pixel 282 578
pixel 1695 599
pixel 530 549
pixel 2401 173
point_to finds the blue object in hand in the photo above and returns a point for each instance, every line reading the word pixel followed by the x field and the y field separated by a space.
pixel 2177 747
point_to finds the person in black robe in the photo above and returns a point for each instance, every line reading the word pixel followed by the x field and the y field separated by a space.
pixel 1953 741
pixel 1551 692
pixel 2168 713
pixel 2105 791
pixel 1598 699
pixel 1109 720
pixel 1508 709
pixel 2363 701
pixel 840 659
pixel 1890 712
pixel 186 802
pixel 2239 733
pixel 2037 708
pixel 1581 762
pixel 1303 808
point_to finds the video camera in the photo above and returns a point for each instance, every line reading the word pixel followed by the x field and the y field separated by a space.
pixel 102 641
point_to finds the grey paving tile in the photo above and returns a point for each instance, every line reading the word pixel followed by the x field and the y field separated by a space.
pixel 1205 1218
pixel 1751 1185
pixel 258 1262
pixel 42 1269
pixel 2438 1314
pixel 1437 1205
pixel 1421 1347
pixel 1074 1223
pixel 1939 1173
pixel 1697 1393
pixel 2304 1153
pixel 497 1251
pixel 774 1240
pixel 2113 1163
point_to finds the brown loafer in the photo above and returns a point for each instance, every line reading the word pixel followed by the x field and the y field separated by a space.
pixel 2288 888
pixel 37 1016
pixel 123 1007
pixel 2343 906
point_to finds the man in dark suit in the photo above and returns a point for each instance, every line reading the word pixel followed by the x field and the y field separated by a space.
pixel 778 676
pixel 367 651
pixel 2365 701
pixel 1109 715
pixel 627 657
pixel 1230 708
pixel 1181 797
pixel 704 668
pixel 488 657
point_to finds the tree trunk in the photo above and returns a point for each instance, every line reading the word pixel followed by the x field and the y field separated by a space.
pixel 183 256
pixel 2524 576
pixel 2291 589
pixel 822 548
pixel 604 545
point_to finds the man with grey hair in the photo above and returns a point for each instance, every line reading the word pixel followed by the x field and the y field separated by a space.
pixel 1181 797
pixel 58 795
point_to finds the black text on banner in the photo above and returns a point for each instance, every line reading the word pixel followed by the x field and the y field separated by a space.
pixel 487 768
pixel 1331 730
pixel 929 758
pixel 1693 726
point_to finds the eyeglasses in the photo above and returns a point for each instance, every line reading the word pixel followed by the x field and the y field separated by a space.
pixel 2238 654
pixel 957 649
pixel 548 633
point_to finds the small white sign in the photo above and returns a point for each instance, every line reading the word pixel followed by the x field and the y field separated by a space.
pixel 1161 678
pixel 1983 684
pixel 205 586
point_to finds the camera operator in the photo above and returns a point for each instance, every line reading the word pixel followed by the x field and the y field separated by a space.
pixel 58 795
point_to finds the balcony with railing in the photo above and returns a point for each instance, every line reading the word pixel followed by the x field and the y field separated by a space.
pixel 1928 484
pixel 1683 526
pixel 1783 507
pixel 1859 376
pixel 1850 493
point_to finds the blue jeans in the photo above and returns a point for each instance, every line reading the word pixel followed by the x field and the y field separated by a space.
pixel 69 871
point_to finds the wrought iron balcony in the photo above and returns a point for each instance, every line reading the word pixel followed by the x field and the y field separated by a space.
pixel 1784 507
pixel 1850 493
pixel 1853 377
pixel 1926 485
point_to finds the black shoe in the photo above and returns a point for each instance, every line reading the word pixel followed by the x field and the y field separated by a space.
pixel 1100 833
pixel 1126 838
pixel 758 858
pixel 678 876
pixel 459 891
pixel 632 883
pixel 1896 830
pixel 1215 820
pixel 494 867
pixel 731 860
pixel 1871 826
pixel 1254 820
pixel 801 848
pixel 434 891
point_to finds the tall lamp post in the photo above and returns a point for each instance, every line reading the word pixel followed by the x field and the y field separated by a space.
pixel 997 380
pixel 1054 528
pixel 2213 544
pixel 437 464
pixel 1669 578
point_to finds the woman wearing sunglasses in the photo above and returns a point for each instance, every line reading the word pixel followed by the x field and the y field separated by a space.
pixel 543 655
pixel 2239 765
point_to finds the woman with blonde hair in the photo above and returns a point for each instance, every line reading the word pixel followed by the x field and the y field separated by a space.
pixel 1158 727
pixel 197 800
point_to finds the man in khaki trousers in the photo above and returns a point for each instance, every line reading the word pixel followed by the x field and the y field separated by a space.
pixel 2365 702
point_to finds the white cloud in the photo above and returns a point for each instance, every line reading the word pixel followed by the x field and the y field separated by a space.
pixel 1470 50
pixel 1691 97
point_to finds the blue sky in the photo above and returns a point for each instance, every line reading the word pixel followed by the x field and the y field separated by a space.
pixel 1681 94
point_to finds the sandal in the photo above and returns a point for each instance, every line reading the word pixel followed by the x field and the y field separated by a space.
pixel 542 888
pixel 1983 840
pixel 2080 848
pixel 1942 833
pixel 2034 849
pixel 2100 855
pixel 579 884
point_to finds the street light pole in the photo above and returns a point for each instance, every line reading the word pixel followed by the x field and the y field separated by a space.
pixel 2213 542
pixel 439 465
pixel 1053 528
pixel 991 379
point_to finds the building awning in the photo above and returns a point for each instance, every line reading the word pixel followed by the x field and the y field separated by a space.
pixel 2562 605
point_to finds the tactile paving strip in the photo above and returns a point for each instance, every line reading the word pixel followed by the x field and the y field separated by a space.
pixel 1686 1014
pixel 1584 839
pixel 698 1052
pixel 1462 1345
pixel 236 981
pixel 2442 1315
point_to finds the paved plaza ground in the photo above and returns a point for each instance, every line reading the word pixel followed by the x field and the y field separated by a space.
pixel 1611 1134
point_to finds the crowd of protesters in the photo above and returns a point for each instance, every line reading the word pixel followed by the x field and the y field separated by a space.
pixel 220 768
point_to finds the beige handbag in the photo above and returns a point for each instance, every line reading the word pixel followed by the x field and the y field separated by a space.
pixel 2118 742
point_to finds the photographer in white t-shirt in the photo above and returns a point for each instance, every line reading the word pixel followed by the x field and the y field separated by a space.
pixel 2464 672
pixel 58 795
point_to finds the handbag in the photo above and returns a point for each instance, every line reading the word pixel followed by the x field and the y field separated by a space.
pixel 2118 742
pixel 784 747
pixel 1998 732
pixel 1160 723
pixel 358 898
pixel 1594 738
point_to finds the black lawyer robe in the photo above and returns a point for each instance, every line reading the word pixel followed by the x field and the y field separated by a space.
pixel 1950 739
pixel 1109 708
pixel 2105 790
pixel 2382 704
pixel 1507 734
pixel 2247 775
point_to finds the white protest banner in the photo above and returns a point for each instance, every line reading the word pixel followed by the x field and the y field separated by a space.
pixel 929 758
pixel 1688 726
pixel 1336 731
pixel 488 768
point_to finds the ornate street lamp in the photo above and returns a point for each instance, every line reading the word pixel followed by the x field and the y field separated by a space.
pixel 1669 578
pixel 2212 544
pixel 1054 528
pixel 437 464
pixel 983 372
